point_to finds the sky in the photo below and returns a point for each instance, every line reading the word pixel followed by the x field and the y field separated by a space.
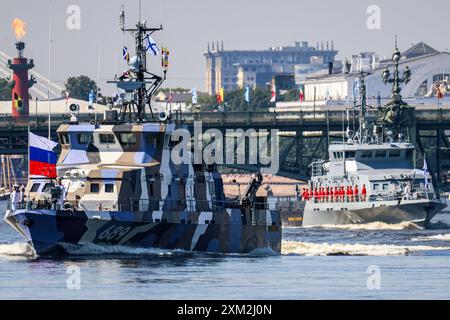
pixel 189 25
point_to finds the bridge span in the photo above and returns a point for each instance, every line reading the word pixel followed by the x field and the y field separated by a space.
pixel 305 135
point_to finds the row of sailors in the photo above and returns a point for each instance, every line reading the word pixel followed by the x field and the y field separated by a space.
pixel 335 194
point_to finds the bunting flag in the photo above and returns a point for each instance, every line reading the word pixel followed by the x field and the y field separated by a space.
pixel 125 54
pixel 247 94
pixel 165 58
pixel 42 157
pixel 91 97
pixel 67 96
pixel 273 97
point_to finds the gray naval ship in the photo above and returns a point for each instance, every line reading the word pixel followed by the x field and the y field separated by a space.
pixel 371 177
pixel 122 186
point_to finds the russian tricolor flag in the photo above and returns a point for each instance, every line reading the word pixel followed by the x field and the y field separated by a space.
pixel 42 157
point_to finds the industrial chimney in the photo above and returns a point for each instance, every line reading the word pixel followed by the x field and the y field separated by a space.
pixel 20 82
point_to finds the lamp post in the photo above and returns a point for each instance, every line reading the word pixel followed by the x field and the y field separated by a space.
pixel 396 80
pixel 397 116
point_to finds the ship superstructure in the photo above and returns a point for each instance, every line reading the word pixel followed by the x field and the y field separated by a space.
pixel 371 176
pixel 122 186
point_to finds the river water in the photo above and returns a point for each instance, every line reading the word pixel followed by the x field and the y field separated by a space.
pixel 373 261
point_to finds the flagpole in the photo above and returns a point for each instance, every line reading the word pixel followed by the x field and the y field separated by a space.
pixel 49 66
pixel 28 137
pixel 98 79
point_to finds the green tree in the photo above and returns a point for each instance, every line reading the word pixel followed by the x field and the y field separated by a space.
pixel 5 90
pixel 235 101
pixel 174 90
pixel 80 87
pixel 291 95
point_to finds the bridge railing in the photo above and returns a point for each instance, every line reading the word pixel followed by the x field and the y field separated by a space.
pixel 8 122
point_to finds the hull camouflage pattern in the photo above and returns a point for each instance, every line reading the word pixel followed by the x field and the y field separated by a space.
pixel 128 191
pixel 50 232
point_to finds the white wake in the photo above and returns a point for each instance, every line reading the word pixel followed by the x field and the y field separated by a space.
pixel 325 249
pixel 94 249
pixel 16 249
pixel 406 225
pixel 439 237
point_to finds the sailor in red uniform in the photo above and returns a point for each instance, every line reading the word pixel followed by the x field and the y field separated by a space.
pixel 356 193
pixel 363 193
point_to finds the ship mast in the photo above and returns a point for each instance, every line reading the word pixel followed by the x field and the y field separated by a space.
pixel 361 136
pixel 139 83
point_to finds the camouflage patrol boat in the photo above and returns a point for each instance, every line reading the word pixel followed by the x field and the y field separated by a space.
pixel 123 187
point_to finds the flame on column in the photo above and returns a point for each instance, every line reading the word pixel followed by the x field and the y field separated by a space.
pixel 19 28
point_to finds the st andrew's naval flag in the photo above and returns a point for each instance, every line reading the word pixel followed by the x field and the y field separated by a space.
pixel 42 157
pixel 151 45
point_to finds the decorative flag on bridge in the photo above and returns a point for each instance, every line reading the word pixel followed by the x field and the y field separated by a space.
pixel 302 95
pixel 273 97
pixel 194 95
pixel 221 96
pixel 247 94
pixel 42 158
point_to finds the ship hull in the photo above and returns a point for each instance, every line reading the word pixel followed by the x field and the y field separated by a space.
pixel 231 231
pixel 390 212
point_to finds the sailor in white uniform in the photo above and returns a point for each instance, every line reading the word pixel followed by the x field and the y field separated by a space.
pixel 62 194
pixel 15 198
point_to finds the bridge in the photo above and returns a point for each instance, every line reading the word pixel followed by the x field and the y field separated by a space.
pixel 305 135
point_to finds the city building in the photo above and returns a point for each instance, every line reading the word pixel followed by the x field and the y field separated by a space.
pixel 233 69
pixel 428 67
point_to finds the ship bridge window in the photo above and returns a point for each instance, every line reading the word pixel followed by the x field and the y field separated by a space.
pixel 410 154
pixel 94 188
pixel 366 154
pixel 35 187
pixel 394 153
pixel 47 187
pixel 350 154
pixel 64 138
pixel 107 138
pixel 109 188
pixel 338 155
pixel 84 138
pixel 128 138
pixel 153 139
pixel 380 154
